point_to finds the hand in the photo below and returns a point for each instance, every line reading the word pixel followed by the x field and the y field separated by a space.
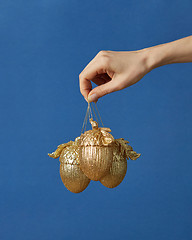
pixel 112 71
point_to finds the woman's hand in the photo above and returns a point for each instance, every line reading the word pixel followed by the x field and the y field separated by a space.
pixel 112 71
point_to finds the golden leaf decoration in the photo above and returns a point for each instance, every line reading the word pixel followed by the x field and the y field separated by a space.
pixel 97 136
pixel 133 155
pixel 127 149
pixel 59 149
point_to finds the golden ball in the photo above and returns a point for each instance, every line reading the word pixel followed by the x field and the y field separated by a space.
pixel 71 175
pixel 117 170
pixel 96 152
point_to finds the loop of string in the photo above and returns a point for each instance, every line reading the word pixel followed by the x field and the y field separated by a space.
pixel 99 114
pixel 89 115
pixel 85 120
pixel 95 113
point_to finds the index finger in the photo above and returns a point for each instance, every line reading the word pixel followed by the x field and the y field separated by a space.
pixel 94 68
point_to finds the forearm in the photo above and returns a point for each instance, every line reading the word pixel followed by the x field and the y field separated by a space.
pixel 179 51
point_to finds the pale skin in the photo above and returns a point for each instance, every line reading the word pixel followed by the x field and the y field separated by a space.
pixel 113 71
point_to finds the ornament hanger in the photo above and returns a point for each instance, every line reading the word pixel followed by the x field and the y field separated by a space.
pixel 89 115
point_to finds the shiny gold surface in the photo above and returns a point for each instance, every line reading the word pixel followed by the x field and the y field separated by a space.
pixel 97 136
pixel 95 155
pixel 96 152
pixel 127 149
pixel 118 170
pixel 71 175
pixel 59 149
pixel 73 178
pixel 95 161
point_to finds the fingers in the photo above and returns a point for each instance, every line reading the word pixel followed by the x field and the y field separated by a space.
pixel 101 79
pixel 85 88
pixel 96 67
pixel 102 90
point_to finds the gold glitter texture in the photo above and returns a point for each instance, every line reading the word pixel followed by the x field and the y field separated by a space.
pixel 96 151
pixel 71 175
pixel 118 170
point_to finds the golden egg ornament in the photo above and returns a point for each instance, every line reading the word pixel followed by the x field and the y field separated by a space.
pixel 117 172
pixel 71 175
pixel 96 151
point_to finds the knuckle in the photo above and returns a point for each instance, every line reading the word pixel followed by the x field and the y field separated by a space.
pixel 102 53
pixel 104 58
pixel 106 61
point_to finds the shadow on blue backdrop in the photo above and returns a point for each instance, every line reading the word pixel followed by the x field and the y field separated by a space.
pixel 44 45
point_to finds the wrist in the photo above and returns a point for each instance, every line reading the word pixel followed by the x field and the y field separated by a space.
pixel 159 55
pixel 154 57
pixel 178 51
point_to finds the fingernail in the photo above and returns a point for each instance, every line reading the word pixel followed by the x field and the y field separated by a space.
pixel 92 98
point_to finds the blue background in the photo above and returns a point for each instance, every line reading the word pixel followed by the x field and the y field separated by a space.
pixel 44 45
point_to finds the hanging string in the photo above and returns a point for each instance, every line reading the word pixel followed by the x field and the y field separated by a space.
pixel 95 113
pixel 99 114
pixel 89 115
pixel 85 120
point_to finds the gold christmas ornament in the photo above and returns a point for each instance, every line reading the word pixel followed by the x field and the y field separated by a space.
pixel 95 155
pixel 71 175
pixel 118 169
pixel 96 151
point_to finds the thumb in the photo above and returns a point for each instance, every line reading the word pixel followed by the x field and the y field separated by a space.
pixel 101 91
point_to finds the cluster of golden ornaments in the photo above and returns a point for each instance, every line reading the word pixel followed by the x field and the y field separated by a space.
pixel 95 155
